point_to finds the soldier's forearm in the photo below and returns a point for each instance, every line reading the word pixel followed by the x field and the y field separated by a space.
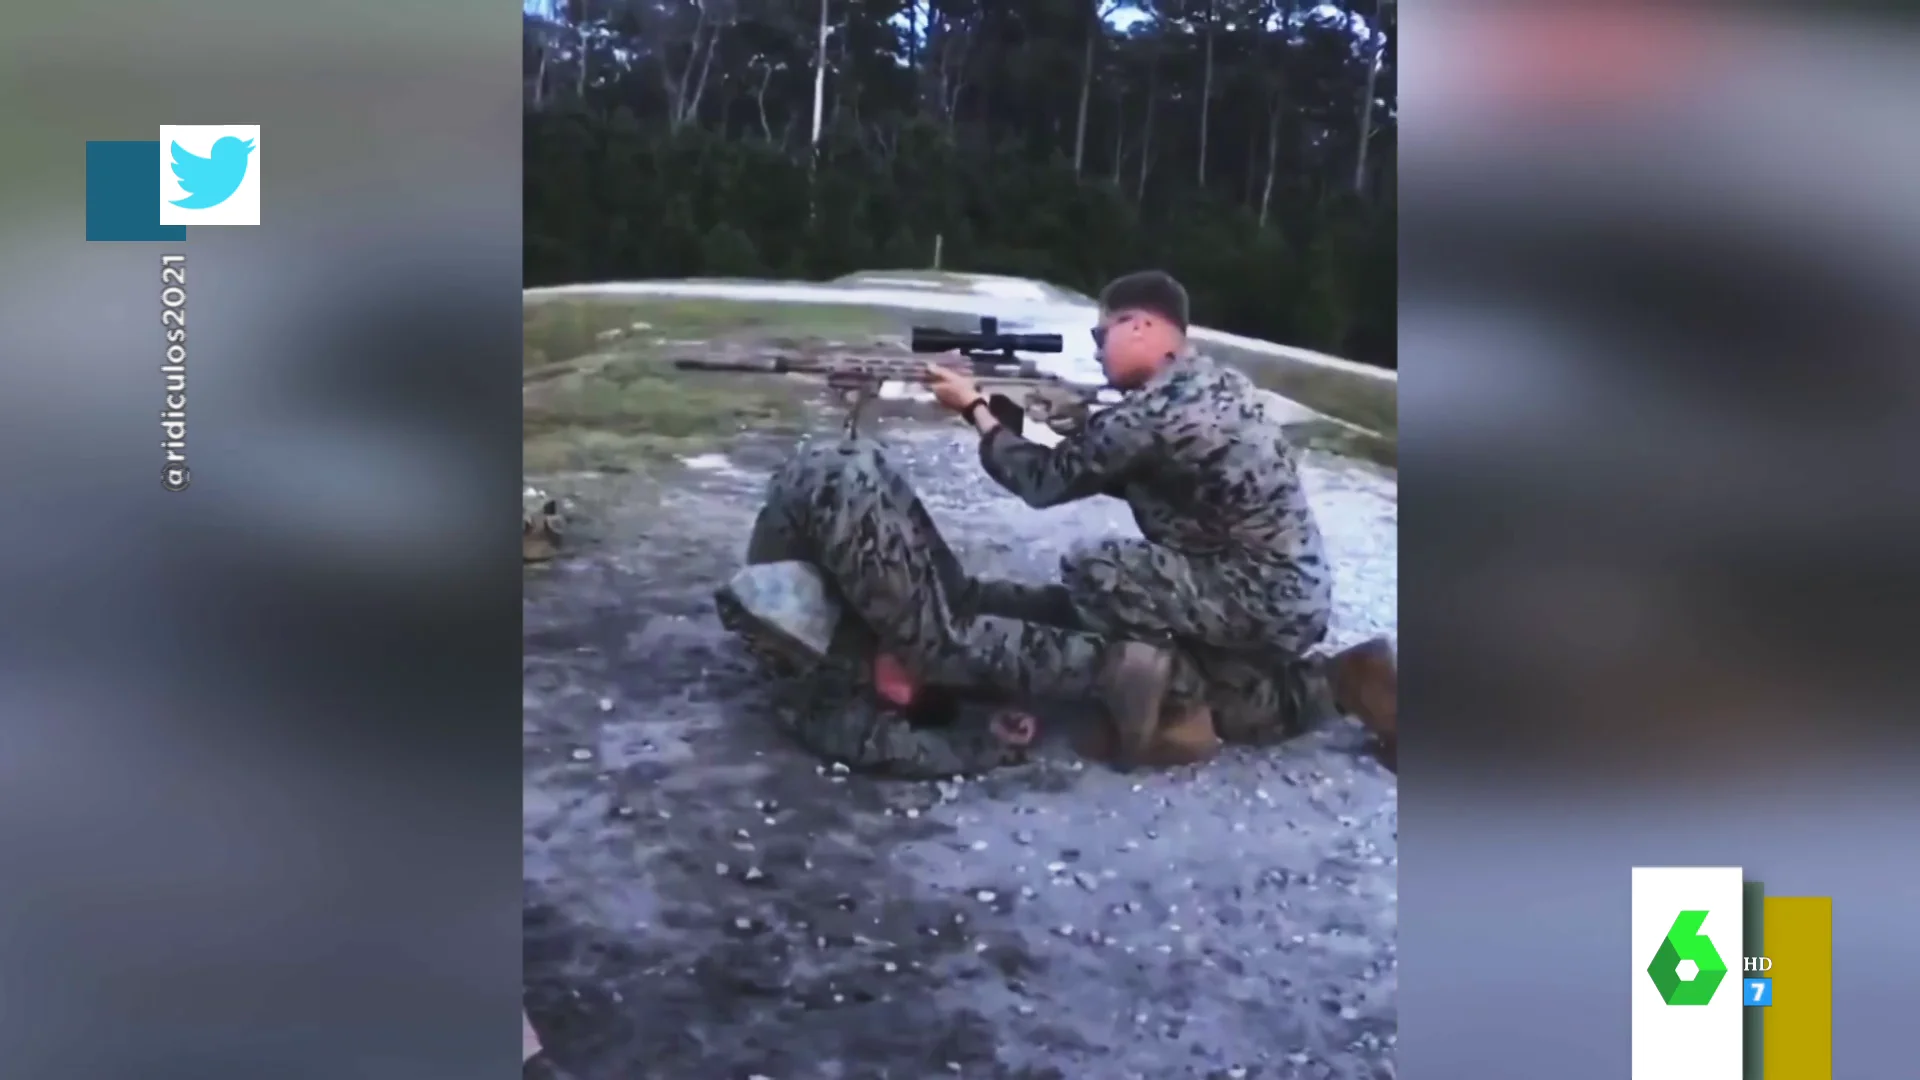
pixel 1040 476
pixel 1050 605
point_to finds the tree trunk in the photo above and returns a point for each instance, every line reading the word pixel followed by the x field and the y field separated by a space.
pixel 1250 186
pixel 913 38
pixel 1273 155
pixel 1146 128
pixel 760 102
pixel 925 82
pixel 580 76
pixel 819 102
pixel 953 78
pixel 1206 97
pixel 690 109
pixel 843 105
pixel 820 77
pixel 685 90
pixel 1276 109
pixel 1366 107
pixel 1086 88
pixel 1119 137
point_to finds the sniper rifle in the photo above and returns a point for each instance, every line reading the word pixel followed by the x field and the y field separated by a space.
pixel 991 358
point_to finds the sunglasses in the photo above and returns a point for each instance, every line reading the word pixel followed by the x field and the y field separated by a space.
pixel 1099 333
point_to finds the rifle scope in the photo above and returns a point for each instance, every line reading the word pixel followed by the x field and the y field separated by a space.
pixel 987 339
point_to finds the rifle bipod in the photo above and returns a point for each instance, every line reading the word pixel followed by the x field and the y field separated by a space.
pixel 855 398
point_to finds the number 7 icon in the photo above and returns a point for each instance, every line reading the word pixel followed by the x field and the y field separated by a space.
pixel 1759 992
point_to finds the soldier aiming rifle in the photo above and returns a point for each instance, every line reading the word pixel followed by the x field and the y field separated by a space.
pixel 1206 628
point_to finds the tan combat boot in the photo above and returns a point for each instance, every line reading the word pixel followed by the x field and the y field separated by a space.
pixel 1187 738
pixel 1133 684
pixel 1366 686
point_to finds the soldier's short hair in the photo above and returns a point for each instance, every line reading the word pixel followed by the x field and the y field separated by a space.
pixel 1153 291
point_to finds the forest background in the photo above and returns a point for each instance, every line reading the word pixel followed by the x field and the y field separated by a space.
pixel 1247 146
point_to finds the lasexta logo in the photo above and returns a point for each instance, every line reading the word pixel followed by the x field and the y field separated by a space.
pixel 1685 944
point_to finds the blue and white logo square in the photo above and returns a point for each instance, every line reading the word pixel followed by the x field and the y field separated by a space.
pixel 209 174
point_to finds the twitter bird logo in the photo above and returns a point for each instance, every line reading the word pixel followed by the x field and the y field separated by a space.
pixel 211 180
pixel 209 174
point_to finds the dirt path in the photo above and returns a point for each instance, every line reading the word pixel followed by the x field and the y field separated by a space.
pixel 704 902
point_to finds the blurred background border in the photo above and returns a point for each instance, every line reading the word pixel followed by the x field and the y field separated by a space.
pixel 261 785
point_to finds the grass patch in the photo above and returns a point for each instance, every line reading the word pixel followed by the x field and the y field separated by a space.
pixel 601 394
pixel 957 282
pixel 624 412
pixel 1373 404
pixel 561 328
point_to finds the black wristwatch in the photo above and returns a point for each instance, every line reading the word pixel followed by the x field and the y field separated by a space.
pixel 976 403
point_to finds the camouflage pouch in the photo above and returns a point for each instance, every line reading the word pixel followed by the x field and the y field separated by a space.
pixel 542 526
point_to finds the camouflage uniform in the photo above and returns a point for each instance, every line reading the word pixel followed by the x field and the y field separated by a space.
pixel 843 508
pixel 1231 576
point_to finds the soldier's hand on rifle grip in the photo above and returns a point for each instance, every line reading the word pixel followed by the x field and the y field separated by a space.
pixel 953 390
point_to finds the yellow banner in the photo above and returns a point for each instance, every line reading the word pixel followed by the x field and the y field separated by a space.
pixel 1799 1023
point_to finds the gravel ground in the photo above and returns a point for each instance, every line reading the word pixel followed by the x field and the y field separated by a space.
pixel 705 902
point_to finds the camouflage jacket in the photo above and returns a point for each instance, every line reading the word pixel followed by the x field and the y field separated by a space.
pixel 834 712
pixel 1195 452
pixel 828 705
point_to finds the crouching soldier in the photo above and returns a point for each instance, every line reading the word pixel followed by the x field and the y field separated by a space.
pixel 851 594
pixel 1220 608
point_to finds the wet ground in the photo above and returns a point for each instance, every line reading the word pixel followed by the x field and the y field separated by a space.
pixel 705 902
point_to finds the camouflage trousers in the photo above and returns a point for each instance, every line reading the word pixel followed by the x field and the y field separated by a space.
pixel 846 509
pixel 843 507
pixel 1241 647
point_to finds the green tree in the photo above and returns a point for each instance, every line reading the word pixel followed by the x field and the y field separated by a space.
pixel 1032 137
pixel 727 251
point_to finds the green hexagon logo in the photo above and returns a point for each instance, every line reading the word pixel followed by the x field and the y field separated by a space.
pixel 1685 942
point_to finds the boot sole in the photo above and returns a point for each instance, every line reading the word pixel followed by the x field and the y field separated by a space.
pixel 1136 683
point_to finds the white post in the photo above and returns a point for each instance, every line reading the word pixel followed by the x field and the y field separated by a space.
pixel 820 76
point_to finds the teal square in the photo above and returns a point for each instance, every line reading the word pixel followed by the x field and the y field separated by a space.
pixel 123 193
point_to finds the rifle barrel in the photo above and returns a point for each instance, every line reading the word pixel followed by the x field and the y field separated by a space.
pixel 879 370
pixel 695 363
